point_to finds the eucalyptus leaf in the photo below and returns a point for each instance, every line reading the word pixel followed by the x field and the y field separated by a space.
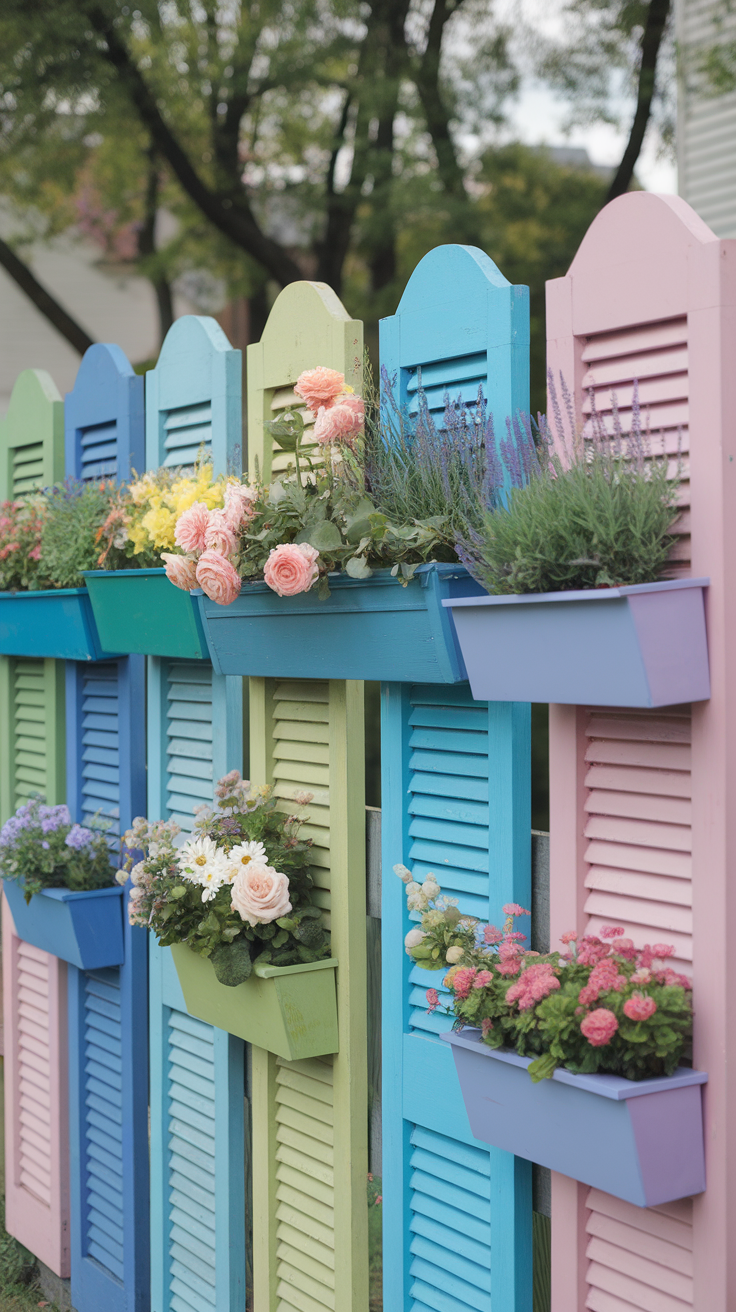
pixel 325 537
pixel 232 962
pixel 358 568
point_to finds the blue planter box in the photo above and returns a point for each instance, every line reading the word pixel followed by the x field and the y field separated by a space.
pixel 85 929
pixel 638 1140
pixel 56 623
pixel 636 646
pixel 366 629
pixel 138 611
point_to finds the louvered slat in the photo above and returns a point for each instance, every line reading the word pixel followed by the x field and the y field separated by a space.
pixel 27 468
pixel 102 1165
pixel 189 780
pixel 285 398
pixel 30 717
pixel 100 746
pixel 638 1258
pixel 301 763
pixel 188 433
pixel 191 1114
pixel 99 451
pixel 450 1224
pixel 457 379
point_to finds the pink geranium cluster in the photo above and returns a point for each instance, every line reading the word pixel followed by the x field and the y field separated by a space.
pixel 535 983
pixel 339 414
pixel 209 539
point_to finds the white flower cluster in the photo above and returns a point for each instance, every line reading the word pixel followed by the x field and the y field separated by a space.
pixel 418 896
pixel 202 862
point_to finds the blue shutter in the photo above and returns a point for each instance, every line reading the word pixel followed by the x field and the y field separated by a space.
pixel 194 398
pixel 456 801
pixel 108 1009
pixel 197 1071
pixel 103 418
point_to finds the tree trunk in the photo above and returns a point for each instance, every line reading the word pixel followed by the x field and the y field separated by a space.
pixel 43 300
pixel 654 28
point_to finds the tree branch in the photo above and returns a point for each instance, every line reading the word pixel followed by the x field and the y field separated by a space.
pixel 231 216
pixel 147 249
pixel 651 40
pixel 426 72
pixel 43 300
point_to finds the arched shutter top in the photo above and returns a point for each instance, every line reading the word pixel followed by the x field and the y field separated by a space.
pixel 194 398
pixel 31 436
pixel 308 326
pixel 460 325
pixel 104 417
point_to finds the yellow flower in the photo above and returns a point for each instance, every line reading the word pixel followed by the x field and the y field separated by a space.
pixel 138 537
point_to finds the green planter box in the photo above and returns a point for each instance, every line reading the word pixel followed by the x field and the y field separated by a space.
pixel 289 1010
pixel 139 610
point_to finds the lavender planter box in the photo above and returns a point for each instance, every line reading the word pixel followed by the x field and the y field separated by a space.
pixel 642 1141
pixel 637 646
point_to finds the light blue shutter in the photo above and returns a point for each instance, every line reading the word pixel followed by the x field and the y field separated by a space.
pixel 108 1040
pixel 194 398
pixel 197 1072
pixel 103 418
pixel 456 801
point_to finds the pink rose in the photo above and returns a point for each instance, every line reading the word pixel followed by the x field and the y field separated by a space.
pixel 239 508
pixel 191 528
pixel 180 570
pixel 339 423
pixel 599 1027
pixel 291 568
pixel 217 578
pixel 219 534
pixel 260 894
pixel 640 1007
pixel 320 386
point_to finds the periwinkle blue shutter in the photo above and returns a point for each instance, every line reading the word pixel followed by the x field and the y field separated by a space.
pixel 194 398
pixel 103 417
pixel 456 801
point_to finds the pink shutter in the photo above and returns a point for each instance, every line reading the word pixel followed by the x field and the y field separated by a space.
pixel 36 1099
pixel 640 809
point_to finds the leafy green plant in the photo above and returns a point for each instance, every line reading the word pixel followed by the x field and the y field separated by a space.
pixel 41 846
pixel 601 1006
pixel 238 891
pixel 597 511
pixel 70 541
pixel 21 525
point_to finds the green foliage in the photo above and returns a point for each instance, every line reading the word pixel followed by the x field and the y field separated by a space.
pixel 180 910
pixel 21 525
pixel 41 846
pixel 70 542
pixel 17 1266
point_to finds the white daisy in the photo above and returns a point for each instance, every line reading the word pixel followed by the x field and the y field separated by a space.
pixel 202 862
pixel 244 855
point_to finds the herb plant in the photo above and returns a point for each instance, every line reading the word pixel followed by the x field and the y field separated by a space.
pixel 596 512
pixel 74 515
pixel 41 846
pixel 600 1006
pixel 238 891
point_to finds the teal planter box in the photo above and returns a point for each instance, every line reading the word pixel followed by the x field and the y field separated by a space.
pixel 139 611
pixel 58 622
pixel 85 929
pixel 366 629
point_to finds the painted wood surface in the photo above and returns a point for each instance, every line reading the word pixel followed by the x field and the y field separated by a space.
pixel 194 398
pixel 308 326
pixel 31 436
pixel 198 1240
pixel 103 418
pixel 36 1099
pixel 108 1039
pixel 310 1118
pixel 32 719
pixel 455 790
pixel 640 816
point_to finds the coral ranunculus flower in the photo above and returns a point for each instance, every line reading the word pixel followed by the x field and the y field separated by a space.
pixel 320 386
pixel 217 578
pixel 180 570
pixel 191 527
pixel 291 568
pixel 339 423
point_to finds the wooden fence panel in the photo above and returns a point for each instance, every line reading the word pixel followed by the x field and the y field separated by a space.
pixel 193 398
pixel 103 417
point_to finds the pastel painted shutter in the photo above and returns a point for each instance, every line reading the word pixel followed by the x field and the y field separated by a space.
pixel 634 795
pixel 36 1099
pixel 310 1118
pixel 193 398
pixel 108 1042
pixel 456 801
pixel 104 419
pixel 31 436
pixel 31 731
pixel 197 1072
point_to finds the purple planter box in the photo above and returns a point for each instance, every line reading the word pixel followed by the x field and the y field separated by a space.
pixel 638 1140
pixel 644 645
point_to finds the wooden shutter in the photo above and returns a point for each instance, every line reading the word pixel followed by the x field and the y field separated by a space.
pixel 31 436
pixel 103 418
pixel 455 789
pixel 108 1042
pixel 640 1259
pixel 193 398
pixel 31 731
pixel 36 1099
pixel 308 326
pixel 310 1118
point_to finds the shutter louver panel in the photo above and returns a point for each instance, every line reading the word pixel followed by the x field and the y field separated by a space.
pixel 99 445
pixel 101 746
pixel 30 716
pixel 189 746
pixel 639 1259
pixel 31 731
pixel 191 1159
pixel 31 436
pixel 285 398
pixel 305 1194
pixel 36 1099
pixel 188 435
pixel 457 379
pixel 27 469
pixel 637 823
pixel 102 1165
pixel 450 1225
pixel 301 763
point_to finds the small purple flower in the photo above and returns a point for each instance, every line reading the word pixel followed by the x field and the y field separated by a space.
pixel 79 837
pixel 45 846
pixel 54 817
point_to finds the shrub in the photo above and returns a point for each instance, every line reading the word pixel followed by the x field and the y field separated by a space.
pixel 42 846
pixel 74 516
